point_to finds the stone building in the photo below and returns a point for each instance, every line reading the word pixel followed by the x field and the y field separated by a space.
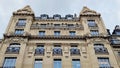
pixel 56 42
pixel 115 43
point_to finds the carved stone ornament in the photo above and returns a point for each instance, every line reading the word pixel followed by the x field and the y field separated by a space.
pixel 87 11
pixel 15 40
pixel 97 40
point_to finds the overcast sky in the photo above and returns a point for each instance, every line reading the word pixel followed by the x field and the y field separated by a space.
pixel 109 9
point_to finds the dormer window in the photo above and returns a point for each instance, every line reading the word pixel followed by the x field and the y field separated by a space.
pixel 56 16
pixel 69 16
pixel 44 16
pixel 117 32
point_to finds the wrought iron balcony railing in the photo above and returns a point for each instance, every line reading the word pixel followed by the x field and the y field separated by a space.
pixel 12 50
pixel 14 34
pixel 101 50
pixel 8 67
pixel 38 26
pixel 106 67
pixel 39 51
pixel 57 51
pixel 115 42
pixel 74 51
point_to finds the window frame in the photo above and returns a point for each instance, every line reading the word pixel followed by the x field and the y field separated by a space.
pixel 75 63
pixel 19 31
pixel 8 62
pixel 102 61
pixel 56 33
pixel 40 63
pixel 41 33
pixel 72 33
pixel 91 23
pixel 94 32
pixel 58 62
pixel 21 22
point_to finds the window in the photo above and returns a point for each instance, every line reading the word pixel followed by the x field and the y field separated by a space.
pixel 69 16
pixel 76 63
pixel 91 23
pixel 118 32
pixel 70 25
pixel 57 16
pixel 57 25
pixel 57 63
pixel 41 33
pixel 104 62
pixel 44 16
pixel 72 33
pixel 57 50
pixel 13 48
pixel 19 31
pixel 43 25
pixel 40 50
pixel 21 22
pixel 38 63
pixel 56 33
pixel 74 50
pixel 115 41
pixel 100 49
pixel 9 62
pixel 94 32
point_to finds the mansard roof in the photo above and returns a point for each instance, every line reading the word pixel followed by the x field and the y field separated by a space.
pixel 24 11
pixel 87 11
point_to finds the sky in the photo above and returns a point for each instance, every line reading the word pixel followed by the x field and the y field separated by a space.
pixel 109 9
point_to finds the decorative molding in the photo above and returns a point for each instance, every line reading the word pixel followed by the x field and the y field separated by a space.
pixel 87 11
pixel 24 11
pixel 15 40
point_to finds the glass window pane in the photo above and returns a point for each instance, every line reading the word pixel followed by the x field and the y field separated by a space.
pixel 91 23
pixel 56 33
pixel 9 62
pixel 57 63
pixel 72 33
pixel 76 63
pixel 21 22
pixel 38 63
pixel 19 31
pixel 94 32
pixel 104 62
pixel 41 33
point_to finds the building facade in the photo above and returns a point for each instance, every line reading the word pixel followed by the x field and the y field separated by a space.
pixel 57 42
pixel 115 43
